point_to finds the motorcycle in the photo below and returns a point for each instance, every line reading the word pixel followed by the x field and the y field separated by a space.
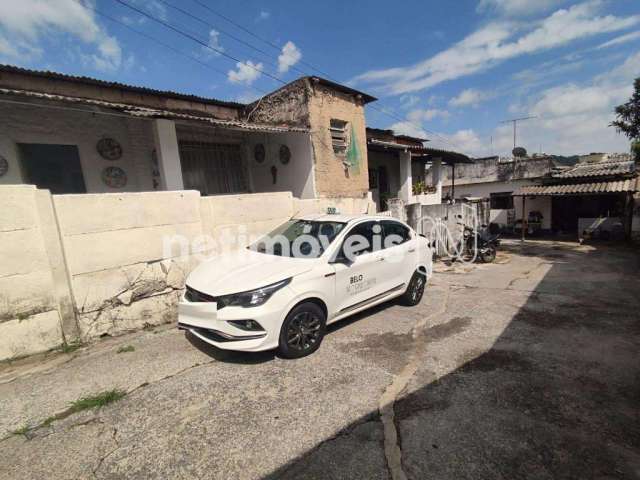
pixel 478 245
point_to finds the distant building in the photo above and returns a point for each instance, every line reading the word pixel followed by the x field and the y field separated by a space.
pixel 496 179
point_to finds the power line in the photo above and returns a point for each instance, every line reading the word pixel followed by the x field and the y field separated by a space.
pixel 221 52
pixel 218 29
pixel 165 45
pixel 326 75
pixel 254 35
pixel 197 40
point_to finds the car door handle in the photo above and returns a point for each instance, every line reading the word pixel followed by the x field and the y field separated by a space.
pixel 381 259
pixel 411 250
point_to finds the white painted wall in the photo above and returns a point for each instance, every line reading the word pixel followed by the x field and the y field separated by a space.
pixel 31 124
pixel 117 262
pixel 296 177
pixel 29 318
pixel 484 190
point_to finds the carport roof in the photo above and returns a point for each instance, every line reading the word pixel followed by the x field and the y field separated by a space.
pixel 598 169
pixel 592 188
pixel 142 112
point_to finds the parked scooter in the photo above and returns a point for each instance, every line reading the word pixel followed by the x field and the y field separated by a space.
pixel 478 245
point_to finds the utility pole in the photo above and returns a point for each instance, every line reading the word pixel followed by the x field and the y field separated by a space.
pixel 515 123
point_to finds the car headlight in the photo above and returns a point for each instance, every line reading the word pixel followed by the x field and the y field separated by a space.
pixel 252 298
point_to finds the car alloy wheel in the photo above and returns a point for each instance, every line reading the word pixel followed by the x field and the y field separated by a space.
pixel 418 289
pixel 303 331
pixel 415 290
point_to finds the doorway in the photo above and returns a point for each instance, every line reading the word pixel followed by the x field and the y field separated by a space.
pixel 52 167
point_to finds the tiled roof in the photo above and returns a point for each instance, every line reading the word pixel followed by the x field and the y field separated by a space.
pixel 137 111
pixel 598 169
pixel 619 186
pixel 122 86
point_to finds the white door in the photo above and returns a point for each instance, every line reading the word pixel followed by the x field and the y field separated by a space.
pixel 400 254
pixel 361 281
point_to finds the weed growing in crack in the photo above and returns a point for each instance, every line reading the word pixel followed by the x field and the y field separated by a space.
pixel 97 401
pixel 125 349
pixel 70 347
pixel 22 430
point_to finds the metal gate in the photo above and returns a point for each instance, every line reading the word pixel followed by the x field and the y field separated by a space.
pixel 212 168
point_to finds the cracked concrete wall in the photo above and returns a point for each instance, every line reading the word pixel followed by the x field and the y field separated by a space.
pixel 29 317
pixel 76 267
pixel 121 274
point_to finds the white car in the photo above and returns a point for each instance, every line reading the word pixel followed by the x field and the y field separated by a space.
pixel 283 294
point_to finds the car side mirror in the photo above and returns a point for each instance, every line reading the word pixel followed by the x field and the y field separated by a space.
pixel 341 258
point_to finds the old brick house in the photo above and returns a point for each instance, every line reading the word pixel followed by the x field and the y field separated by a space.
pixel 73 134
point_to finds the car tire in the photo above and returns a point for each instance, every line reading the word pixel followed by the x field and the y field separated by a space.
pixel 302 330
pixel 415 290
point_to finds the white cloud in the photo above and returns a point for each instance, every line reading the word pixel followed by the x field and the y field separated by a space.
pixel 154 7
pixel 23 24
pixel 470 96
pixel 517 8
pixel 263 15
pixel 629 37
pixel 408 101
pixel 408 128
pixel 289 57
pixel 465 140
pixel 246 73
pixel 214 43
pixel 495 43
pixel 418 115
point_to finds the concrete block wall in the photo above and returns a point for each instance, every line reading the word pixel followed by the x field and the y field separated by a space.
pixel 29 316
pixel 121 276
pixel 76 267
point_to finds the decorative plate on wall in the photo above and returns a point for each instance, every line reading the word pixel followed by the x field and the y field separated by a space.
pixel 4 166
pixel 285 154
pixel 109 149
pixel 259 153
pixel 114 177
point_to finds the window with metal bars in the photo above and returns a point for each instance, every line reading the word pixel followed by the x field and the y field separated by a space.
pixel 212 168
pixel 339 136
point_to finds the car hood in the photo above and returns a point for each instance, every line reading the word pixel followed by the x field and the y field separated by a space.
pixel 245 270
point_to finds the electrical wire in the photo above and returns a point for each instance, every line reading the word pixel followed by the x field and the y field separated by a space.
pixel 197 40
pixel 383 109
pixel 221 52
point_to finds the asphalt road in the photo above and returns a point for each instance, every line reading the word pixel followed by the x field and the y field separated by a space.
pixel 527 368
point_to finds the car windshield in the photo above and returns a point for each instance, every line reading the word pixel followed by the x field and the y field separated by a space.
pixel 299 238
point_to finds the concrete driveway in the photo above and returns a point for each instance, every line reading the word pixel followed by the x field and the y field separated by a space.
pixel 527 368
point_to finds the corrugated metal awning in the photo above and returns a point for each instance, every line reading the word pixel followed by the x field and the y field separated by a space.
pixel 598 169
pixel 145 112
pixel 592 188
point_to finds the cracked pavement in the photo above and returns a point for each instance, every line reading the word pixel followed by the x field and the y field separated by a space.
pixel 526 368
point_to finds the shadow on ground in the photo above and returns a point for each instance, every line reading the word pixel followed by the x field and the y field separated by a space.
pixel 556 396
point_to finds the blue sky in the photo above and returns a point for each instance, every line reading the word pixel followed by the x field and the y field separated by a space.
pixel 448 71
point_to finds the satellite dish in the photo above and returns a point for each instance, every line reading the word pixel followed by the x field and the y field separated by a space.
pixel 519 152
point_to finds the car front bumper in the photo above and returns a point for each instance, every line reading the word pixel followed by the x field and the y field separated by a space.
pixel 205 321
